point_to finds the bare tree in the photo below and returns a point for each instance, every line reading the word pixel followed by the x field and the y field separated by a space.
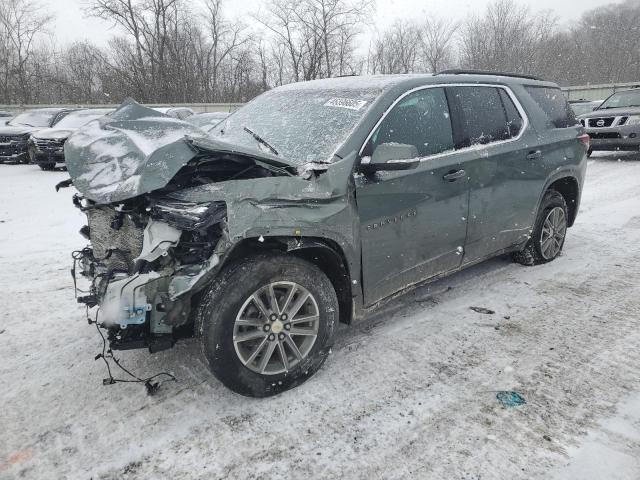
pixel 436 40
pixel 397 50
pixel 318 35
pixel 224 39
pixel 506 38
pixel 22 22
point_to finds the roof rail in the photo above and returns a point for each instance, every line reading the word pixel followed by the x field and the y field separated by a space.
pixel 486 72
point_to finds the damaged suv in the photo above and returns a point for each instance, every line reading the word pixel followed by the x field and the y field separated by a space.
pixel 310 206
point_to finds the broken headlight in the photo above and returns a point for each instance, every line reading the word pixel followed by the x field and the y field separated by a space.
pixel 189 215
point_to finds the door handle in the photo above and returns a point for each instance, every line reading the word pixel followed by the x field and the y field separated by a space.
pixel 454 175
pixel 534 155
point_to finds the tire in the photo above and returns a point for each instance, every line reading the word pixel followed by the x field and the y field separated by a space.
pixel 30 157
pixel 47 166
pixel 589 152
pixel 534 252
pixel 229 300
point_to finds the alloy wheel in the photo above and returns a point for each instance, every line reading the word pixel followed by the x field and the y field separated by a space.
pixel 276 328
pixel 554 230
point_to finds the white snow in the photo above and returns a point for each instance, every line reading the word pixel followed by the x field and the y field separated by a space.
pixel 407 393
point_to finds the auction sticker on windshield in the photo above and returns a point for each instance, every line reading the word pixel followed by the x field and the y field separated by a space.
pixel 346 103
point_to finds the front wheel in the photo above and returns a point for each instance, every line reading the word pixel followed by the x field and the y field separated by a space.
pixel 549 231
pixel 267 324
pixel 47 166
pixel 31 154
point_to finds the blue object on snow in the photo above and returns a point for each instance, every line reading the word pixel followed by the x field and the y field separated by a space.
pixel 510 399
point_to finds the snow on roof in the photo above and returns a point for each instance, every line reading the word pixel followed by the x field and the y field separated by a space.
pixel 364 82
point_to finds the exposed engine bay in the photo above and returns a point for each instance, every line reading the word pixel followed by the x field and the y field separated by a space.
pixel 149 255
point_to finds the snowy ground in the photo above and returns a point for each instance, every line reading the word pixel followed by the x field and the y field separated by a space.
pixel 409 392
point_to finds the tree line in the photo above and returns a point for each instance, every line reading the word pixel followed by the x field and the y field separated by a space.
pixel 177 51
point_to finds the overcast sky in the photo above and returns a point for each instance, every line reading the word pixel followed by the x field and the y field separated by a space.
pixel 71 24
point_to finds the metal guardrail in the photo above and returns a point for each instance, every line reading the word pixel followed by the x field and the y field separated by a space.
pixel 597 92
pixel 197 107
pixel 578 92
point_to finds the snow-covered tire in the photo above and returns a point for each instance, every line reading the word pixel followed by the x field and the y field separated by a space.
pixel 534 253
pixel 229 301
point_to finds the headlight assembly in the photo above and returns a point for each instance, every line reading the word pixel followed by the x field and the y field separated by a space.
pixel 188 215
pixel 633 120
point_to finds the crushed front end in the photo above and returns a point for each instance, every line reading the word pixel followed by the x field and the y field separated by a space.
pixel 146 260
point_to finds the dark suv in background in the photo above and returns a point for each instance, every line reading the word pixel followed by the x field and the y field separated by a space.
pixel 14 135
pixel 615 124
pixel 46 146
pixel 312 205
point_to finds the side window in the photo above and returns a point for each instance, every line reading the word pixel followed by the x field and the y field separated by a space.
pixel 420 119
pixel 515 121
pixel 555 105
pixel 487 115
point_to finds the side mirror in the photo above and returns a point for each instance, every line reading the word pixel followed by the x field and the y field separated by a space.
pixel 392 157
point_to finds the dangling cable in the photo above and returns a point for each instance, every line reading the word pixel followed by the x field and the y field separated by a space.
pixel 107 354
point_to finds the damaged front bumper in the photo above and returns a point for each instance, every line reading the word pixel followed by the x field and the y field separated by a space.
pixel 144 265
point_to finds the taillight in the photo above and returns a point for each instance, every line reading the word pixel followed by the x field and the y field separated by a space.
pixel 585 139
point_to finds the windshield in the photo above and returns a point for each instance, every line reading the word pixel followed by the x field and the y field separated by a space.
pixel 582 108
pixel 630 98
pixel 78 119
pixel 301 125
pixel 34 119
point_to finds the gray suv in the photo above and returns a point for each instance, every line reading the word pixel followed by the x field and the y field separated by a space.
pixel 310 206
pixel 615 124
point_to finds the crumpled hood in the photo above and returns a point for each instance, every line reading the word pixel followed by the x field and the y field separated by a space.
pixel 54 133
pixel 137 150
pixel 8 130
pixel 134 150
pixel 612 112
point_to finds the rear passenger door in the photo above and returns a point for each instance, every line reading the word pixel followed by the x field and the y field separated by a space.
pixel 504 189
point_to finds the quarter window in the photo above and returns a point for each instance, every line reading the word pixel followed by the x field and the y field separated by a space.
pixel 421 119
pixel 555 105
pixel 487 115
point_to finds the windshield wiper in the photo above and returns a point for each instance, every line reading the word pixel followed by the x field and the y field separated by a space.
pixel 261 140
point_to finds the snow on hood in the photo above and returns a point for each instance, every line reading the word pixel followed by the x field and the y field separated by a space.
pixel 17 130
pixel 54 133
pixel 134 150
pixel 612 112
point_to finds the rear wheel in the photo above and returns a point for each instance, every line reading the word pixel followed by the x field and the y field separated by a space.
pixel 268 324
pixel 549 231
pixel 47 166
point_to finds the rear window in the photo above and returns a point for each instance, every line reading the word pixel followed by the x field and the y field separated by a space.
pixel 555 105
pixel 488 115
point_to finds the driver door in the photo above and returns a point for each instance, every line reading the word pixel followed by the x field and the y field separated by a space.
pixel 413 223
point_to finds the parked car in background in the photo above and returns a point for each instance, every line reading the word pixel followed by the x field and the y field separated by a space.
pixel 311 205
pixel 207 121
pixel 176 112
pixel 615 124
pixel 580 107
pixel 15 134
pixel 5 117
pixel 46 146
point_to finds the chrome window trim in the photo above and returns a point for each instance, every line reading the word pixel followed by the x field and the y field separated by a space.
pixel 506 88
